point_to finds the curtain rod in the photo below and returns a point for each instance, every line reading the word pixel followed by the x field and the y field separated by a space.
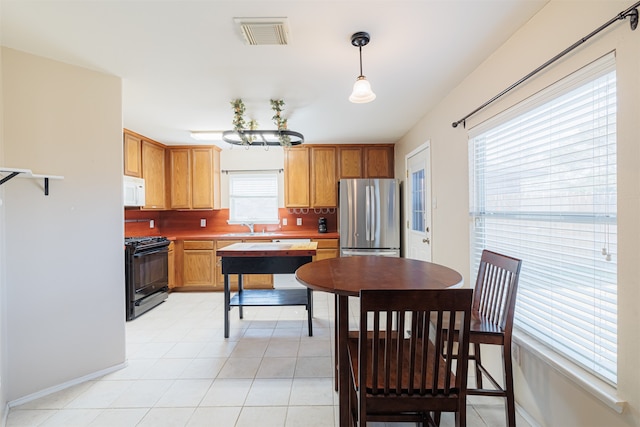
pixel 631 13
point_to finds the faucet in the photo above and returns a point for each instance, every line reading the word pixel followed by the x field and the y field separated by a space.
pixel 250 225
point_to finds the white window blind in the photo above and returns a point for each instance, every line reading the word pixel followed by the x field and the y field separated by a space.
pixel 543 189
pixel 253 197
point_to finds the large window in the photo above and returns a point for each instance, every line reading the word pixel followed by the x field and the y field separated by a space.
pixel 543 189
pixel 253 198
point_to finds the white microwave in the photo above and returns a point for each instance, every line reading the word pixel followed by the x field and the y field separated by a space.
pixel 133 191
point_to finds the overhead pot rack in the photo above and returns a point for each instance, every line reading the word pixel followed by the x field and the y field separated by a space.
pixel 246 133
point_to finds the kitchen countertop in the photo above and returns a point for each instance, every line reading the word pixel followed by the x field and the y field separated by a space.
pixel 271 235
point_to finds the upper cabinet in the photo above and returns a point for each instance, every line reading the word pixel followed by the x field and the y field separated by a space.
pixel 349 162
pixel 324 184
pixel 378 161
pixel 365 161
pixel 312 171
pixel 194 176
pixel 153 172
pixel 132 155
pixel 296 177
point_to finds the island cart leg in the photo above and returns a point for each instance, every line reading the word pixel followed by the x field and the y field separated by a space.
pixel 240 289
pixel 227 298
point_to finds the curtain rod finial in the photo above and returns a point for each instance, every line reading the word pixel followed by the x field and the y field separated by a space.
pixel 633 19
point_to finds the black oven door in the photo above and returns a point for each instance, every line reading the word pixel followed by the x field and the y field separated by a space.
pixel 149 272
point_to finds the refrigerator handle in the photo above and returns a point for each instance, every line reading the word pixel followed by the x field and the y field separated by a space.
pixel 373 219
pixel 367 193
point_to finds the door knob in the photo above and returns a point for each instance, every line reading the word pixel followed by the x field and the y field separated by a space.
pixel 427 240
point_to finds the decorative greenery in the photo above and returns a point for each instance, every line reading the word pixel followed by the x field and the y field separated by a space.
pixel 238 119
pixel 240 125
pixel 239 122
pixel 281 123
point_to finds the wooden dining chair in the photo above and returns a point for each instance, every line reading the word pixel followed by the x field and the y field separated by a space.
pixel 494 301
pixel 396 370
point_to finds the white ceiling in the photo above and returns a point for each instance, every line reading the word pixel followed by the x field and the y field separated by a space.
pixel 183 61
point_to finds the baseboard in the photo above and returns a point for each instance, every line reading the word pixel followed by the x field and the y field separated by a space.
pixel 59 387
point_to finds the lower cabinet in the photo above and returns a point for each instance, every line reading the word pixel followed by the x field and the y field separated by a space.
pixel 198 263
pixel 194 266
pixel 327 248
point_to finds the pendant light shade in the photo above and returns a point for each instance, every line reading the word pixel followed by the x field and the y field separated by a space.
pixel 362 92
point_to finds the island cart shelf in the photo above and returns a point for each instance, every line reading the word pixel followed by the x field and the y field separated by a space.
pixel 265 258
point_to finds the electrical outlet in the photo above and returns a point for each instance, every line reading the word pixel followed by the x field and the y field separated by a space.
pixel 152 223
pixel 203 222
pixel 284 221
pixel 298 221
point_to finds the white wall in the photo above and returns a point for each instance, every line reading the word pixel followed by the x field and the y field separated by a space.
pixel 550 398
pixel 64 283
pixel 3 263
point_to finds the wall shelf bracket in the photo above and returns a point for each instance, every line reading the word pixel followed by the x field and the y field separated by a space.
pixel 26 173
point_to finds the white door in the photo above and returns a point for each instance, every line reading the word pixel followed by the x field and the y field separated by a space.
pixel 418 197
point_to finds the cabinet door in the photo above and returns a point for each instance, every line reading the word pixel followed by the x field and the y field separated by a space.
pixel 324 187
pixel 349 162
pixel 153 173
pixel 216 178
pixel 202 178
pixel 296 177
pixel 198 263
pixel 327 248
pixel 180 178
pixel 378 162
pixel 132 155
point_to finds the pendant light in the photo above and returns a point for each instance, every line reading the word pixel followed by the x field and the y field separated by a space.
pixel 362 92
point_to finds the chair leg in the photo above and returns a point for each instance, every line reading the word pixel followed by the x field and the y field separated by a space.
pixel 508 385
pixel 461 417
pixel 478 362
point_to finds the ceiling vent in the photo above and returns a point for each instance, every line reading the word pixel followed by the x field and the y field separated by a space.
pixel 264 31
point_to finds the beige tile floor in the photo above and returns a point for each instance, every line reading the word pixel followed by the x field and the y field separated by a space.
pixel 182 372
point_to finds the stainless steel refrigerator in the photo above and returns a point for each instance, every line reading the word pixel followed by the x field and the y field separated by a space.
pixel 369 217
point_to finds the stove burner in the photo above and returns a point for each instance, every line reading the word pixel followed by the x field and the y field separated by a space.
pixel 141 241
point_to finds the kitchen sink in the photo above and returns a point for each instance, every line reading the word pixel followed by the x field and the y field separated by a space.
pixel 255 234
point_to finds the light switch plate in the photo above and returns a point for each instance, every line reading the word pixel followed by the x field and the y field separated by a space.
pixel 152 223
pixel 299 221
pixel 203 222
pixel 284 221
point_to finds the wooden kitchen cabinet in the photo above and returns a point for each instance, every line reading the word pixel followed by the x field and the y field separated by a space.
pixel 350 162
pixel 132 149
pixel 324 185
pixel 194 176
pixel 249 281
pixel 327 248
pixel 312 172
pixel 172 265
pixel 378 161
pixel 198 263
pixel 296 177
pixel 153 172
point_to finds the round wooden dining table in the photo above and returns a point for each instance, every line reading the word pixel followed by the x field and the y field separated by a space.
pixel 347 276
